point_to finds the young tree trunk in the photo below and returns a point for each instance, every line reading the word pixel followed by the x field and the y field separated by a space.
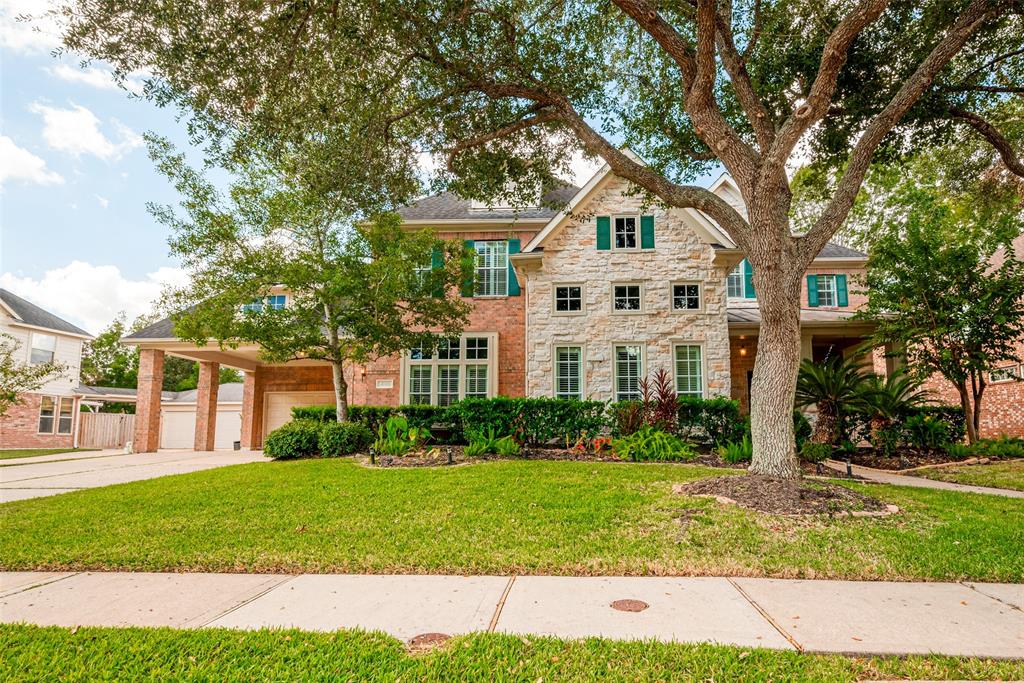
pixel 965 403
pixel 340 391
pixel 775 371
pixel 979 391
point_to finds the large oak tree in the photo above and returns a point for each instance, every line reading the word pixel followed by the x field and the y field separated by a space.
pixel 506 90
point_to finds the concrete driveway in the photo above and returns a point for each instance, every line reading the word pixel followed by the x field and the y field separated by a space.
pixel 53 474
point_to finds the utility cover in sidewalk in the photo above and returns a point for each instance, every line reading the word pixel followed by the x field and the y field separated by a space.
pixel 630 605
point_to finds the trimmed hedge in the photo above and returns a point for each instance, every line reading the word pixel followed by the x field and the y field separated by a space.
pixel 337 439
pixel 533 421
pixel 295 439
pixel 373 416
pixel 711 421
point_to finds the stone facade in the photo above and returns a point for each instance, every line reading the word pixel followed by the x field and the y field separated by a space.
pixel 570 256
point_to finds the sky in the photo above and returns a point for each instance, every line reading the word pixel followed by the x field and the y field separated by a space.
pixel 75 235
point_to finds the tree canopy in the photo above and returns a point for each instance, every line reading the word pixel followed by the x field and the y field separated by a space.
pixel 18 377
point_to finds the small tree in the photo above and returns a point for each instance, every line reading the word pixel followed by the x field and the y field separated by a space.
pixel 936 292
pixel 17 377
pixel 356 290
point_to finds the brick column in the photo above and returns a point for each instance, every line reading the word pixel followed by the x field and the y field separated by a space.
pixel 206 406
pixel 252 409
pixel 147 408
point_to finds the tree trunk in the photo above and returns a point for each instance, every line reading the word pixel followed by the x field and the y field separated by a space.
pixel 965 403
pixel 826 428
pixel 340 392
pixel 979 390
pixel 775 370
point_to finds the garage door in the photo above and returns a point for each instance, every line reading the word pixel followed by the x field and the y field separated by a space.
pixel 280 403
pixel 178 428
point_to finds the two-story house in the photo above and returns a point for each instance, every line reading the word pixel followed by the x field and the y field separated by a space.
pixel 578 302
pixel 47 417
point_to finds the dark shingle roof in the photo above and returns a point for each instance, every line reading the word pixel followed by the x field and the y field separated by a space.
pixel 30 314
pixel 449 206
pixel 833 250
pixel 161 329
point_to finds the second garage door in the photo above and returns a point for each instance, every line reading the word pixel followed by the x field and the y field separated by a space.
pixel 178 427
pixel 280 403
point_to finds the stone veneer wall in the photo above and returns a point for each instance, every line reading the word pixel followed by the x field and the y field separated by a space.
pixel 571 256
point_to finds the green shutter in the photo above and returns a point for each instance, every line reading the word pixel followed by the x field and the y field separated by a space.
pixel 513 283
pixel 748 280
pixel 647 232
pixel 604 233
pixel 467 285
pixel 843 297
pixel 812 291
pixel 437 263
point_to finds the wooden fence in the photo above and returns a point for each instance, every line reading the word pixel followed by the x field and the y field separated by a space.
pixel 105 430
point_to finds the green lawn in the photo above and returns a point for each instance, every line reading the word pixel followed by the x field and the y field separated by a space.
pixel 497 517
pixel 1002 475
pixel 33 653
pixel 32 452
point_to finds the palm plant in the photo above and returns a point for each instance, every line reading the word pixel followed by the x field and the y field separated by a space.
pixel 836 387
pixel 887 398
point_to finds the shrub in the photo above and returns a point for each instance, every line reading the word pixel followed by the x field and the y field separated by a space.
pixel 925 432
pixel 504 446
pixel 648 443
pixel 888 439
pixel 337 438
pixel 663 411
pixel 1001 447
pixel 958 451
pixel 952 416
pixel 710 421
pixel 374 416
pixel 531 421
pixel 295 439
pixel 801 429
pixel 626 417
pixel 815 452
pixel 396 437
pixel 734 452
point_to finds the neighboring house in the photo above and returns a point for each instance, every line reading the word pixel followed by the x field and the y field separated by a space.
pixel 582 302
pixel 47 417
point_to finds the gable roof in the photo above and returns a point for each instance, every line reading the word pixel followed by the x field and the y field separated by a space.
pixel 161 329
pixel 27 313
pixel 448 206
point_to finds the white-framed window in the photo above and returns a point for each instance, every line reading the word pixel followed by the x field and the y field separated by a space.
pixel 627 297
pixel 628 371
pixel 734 284
pixel 568 299
pixel 689 370
pixel 43 350
pixel 491 268
pixel 273 302
pixel 686 296
pixel 420 386
pixel 569 372
pixel 65 418
pixel 624 232
pixel 456 368
pixel 47 414
pixel 828 291
pixel 1005 374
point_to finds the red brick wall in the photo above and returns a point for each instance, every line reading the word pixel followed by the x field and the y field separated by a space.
pixel 19 426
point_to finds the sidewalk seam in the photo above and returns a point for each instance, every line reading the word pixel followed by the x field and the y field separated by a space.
pixel 991 597
pixel 767 617
pixel 40 585
pixel 501 604
pixel 245 602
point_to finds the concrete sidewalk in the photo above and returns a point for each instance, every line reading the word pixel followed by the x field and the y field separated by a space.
pixel 883 477
pixel 60 475
pixel 982 620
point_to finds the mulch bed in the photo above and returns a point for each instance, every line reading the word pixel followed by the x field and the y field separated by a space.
pixel 438 456
pixel 785 496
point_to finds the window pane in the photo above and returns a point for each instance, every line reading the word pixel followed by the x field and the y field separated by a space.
pixel 447 384
pixel 568 299
pixel 689 371
pixel 626 297
pixel 419 384
pixel 276 302
pixel 627 373
pixel 686 297
pixel 43 348
pixel 568 370
pixel 476 348
pixel 476 381
pixel 734 283
pixel 448 349
pixel 625 232
pixel 65 419
pixel 491 268
pixel 826 290
pixel 47 408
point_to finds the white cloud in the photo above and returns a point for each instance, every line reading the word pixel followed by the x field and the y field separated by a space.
pixel 37 32
pixel 93 76
pixel 90 296
pixel 103 201
pixel 76 131
pixel 22 165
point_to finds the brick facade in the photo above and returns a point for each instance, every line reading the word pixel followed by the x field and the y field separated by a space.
pixel 19 427
pixel 147 407
pixel 206 406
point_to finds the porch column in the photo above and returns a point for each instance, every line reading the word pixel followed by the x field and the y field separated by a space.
pixel 806 348
pixel 206 405
pixel 147 407
pixel 252 409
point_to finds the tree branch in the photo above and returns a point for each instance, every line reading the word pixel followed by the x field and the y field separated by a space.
pixel 994 137
pixel 908 94
pixel 736 67
pixel 538 119
pixel 985 88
